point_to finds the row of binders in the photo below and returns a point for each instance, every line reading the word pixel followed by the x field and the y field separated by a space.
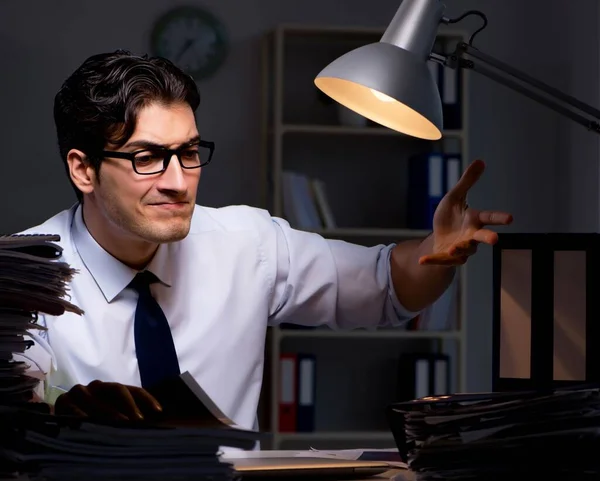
pixel 36 444
pixel 430 177
pixel 422 374
pixel 418 375
pixel 297 392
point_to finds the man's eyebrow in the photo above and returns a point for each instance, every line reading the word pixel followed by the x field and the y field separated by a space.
pixel 147 144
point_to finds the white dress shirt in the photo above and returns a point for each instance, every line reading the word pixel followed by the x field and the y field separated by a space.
pixel 238 271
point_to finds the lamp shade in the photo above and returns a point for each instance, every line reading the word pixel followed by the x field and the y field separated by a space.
pixel 388 85
pixel 390 81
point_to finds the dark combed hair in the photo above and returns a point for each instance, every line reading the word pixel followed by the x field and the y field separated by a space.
pixel 99 103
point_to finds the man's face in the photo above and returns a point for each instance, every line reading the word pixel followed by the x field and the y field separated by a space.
pixel 156 208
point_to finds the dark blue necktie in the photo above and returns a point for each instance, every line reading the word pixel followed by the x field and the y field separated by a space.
pixel 156 355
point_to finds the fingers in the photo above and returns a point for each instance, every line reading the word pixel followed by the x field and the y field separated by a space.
pixel 459 252
pixel 64 406
pixel 464 248
pixel 486 236
pixel 80 401
pixel 494 218
pixel 468 179
pixel 107 400
pixel 118 397
pixel 146 402
pixel 456 255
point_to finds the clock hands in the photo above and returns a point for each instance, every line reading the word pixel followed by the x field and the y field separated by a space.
pixel 184 49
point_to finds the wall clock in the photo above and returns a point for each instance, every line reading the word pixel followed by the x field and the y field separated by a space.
pixel 193 39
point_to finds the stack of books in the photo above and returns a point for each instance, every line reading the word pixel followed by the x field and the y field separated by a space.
pixel 500 436
pixel 36 444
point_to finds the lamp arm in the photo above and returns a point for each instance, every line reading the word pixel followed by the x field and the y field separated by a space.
pixel 522 83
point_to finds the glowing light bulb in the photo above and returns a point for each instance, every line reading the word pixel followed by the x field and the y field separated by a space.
pixel 382 97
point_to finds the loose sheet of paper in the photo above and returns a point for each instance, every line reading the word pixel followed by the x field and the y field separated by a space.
pixel 386 455
pixel 349 454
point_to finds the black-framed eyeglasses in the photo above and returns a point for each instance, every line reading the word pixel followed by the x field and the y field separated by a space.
pixel 156 160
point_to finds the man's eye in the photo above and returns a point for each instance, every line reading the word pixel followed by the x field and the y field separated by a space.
pixel 148 157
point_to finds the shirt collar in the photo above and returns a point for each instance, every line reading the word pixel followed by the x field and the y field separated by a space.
pixel 110 274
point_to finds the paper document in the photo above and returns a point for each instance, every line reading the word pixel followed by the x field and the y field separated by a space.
pixel 389 456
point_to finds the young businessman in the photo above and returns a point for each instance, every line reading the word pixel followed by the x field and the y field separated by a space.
pixel 127 135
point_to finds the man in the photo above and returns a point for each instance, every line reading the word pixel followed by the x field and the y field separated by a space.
pixel 128 138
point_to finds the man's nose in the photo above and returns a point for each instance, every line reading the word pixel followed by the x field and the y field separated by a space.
pixel 173 178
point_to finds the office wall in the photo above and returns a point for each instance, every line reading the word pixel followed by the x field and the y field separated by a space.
pixel 539 167
pixel 576 42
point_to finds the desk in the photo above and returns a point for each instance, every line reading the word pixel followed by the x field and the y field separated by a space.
pixel 392 475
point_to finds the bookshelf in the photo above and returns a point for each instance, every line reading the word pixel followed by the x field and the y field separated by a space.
pixel 364 170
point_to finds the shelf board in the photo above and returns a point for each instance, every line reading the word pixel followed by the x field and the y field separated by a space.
pixel 372 232
pixel 345 130
pixel 337 435
pixel 366 334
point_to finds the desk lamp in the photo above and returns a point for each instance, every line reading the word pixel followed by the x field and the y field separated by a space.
pixel 389 82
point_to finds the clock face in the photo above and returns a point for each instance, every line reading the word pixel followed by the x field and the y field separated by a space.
pixel 191 38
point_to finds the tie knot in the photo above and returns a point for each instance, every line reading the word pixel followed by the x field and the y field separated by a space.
pixel 141 282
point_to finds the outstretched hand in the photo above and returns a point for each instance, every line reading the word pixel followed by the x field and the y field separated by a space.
pixel 457 228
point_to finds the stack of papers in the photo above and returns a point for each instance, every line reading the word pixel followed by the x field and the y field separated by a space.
pixel 554 433
pixel 59 448
pixel 31 281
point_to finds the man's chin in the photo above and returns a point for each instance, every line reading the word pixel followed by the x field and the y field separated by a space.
pixel 166 238
pixel 167 231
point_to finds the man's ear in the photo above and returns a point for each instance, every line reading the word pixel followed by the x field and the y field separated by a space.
pixel 81 171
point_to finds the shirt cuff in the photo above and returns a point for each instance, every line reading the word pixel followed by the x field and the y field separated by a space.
pixel 402 314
